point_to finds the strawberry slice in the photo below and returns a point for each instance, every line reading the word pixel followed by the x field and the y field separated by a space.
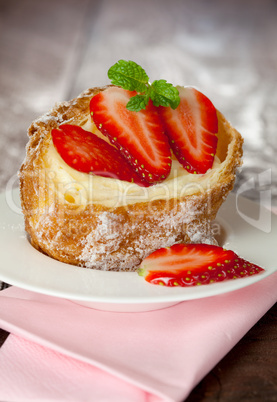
pixel 194 264
pixel 85 152
pixel 139 136
pixel 191 129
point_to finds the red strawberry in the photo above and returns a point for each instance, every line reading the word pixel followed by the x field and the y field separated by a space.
pixel 139 136
pixel 191 129
pixel 85 152
pixel 194 264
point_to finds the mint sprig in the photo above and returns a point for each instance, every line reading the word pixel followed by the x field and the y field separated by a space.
pixel 129 75
pixel 164 94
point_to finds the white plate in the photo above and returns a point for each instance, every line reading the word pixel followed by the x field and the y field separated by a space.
pixel 23 266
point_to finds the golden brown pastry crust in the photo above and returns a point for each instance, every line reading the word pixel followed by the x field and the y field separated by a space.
pixel 95 236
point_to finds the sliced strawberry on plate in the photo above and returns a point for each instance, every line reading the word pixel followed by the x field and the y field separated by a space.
pixel 194 264
pixel 139 136
pixel 85 152
pixel 191 129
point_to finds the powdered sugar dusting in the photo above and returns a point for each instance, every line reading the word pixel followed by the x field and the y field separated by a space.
pixel 101 241
pixel 46 118
pixel 113 245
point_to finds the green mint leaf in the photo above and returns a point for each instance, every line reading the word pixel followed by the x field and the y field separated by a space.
pixel 128 75
pixel 163 93
pixel 138 102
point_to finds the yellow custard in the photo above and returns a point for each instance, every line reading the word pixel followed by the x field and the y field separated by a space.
pixel 82 188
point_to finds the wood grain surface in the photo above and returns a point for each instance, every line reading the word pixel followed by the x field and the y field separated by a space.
pixel 52 50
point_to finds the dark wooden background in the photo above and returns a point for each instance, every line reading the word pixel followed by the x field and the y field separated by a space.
pixel 52 50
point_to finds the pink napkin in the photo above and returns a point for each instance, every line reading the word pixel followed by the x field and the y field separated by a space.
pixel 60 351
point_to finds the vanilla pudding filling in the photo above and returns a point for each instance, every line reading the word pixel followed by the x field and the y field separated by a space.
pixel 80 189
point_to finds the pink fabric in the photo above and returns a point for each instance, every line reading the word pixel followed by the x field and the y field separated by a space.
pixel 60 351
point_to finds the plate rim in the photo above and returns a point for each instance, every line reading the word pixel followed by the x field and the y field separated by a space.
pixel 172 296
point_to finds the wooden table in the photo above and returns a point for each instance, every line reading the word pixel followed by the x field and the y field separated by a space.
pixel 50 51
